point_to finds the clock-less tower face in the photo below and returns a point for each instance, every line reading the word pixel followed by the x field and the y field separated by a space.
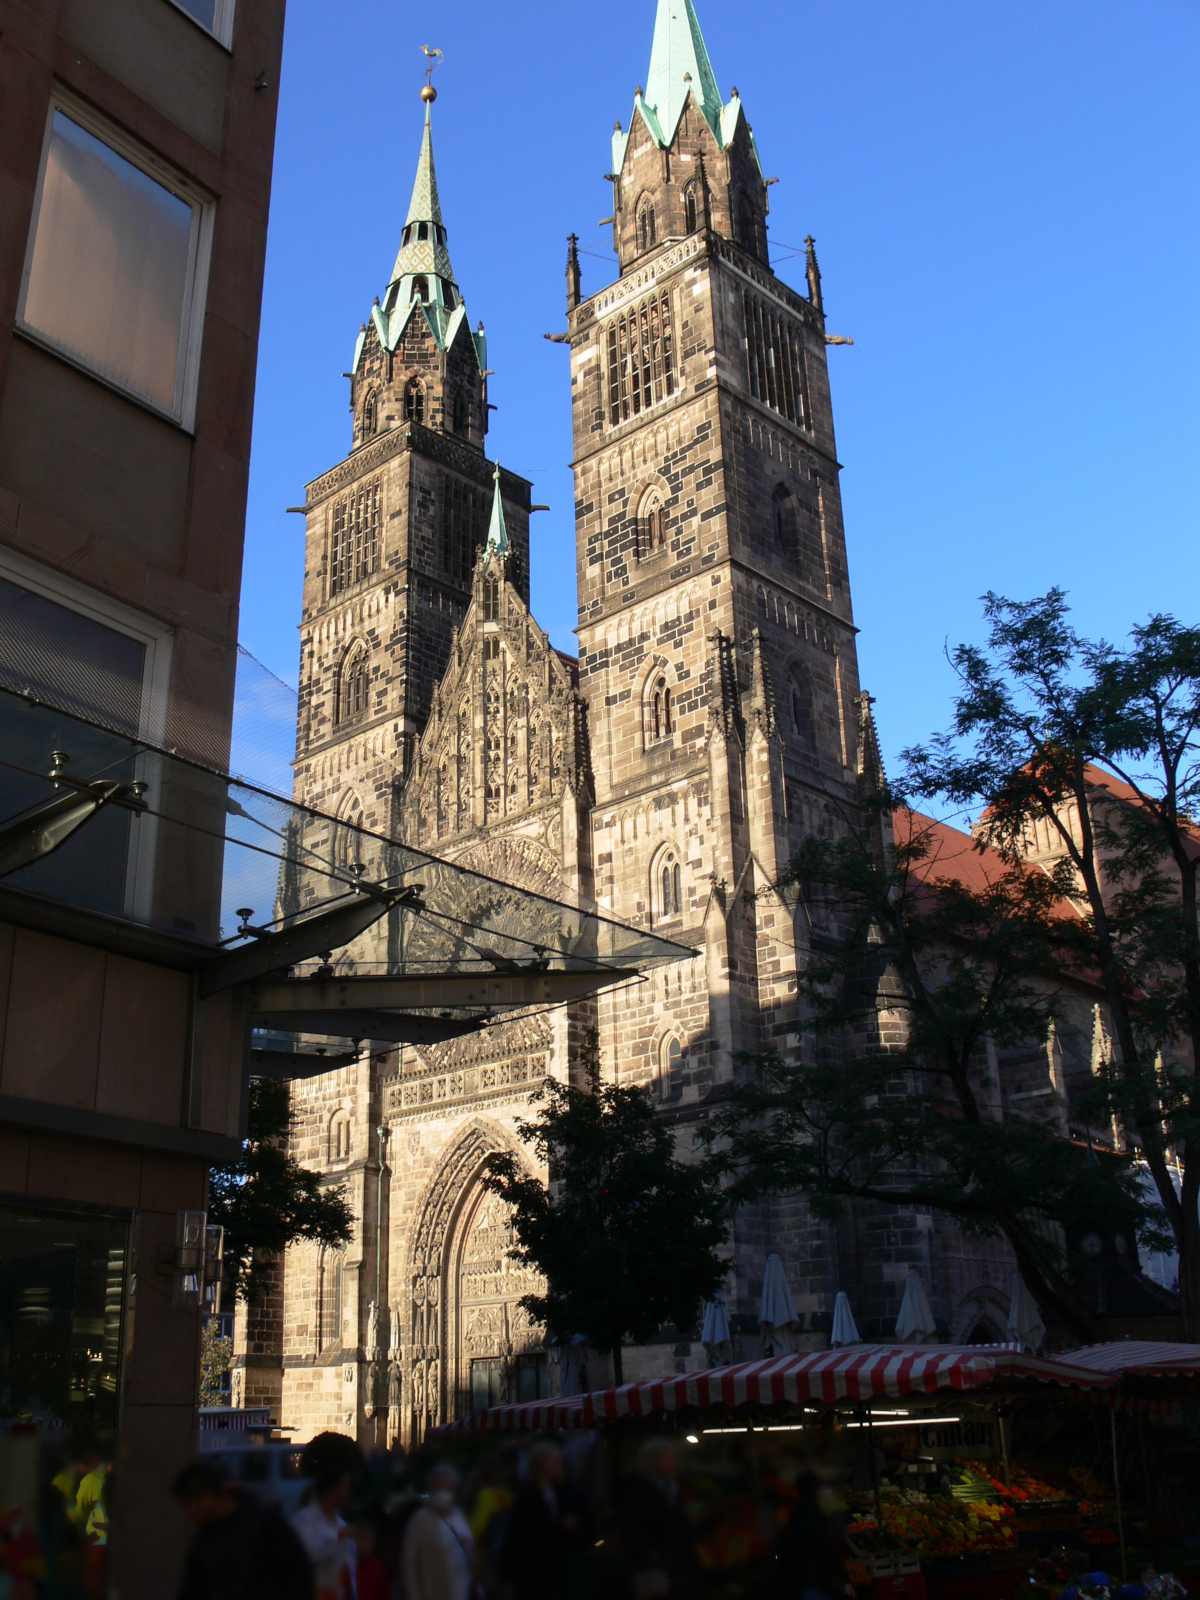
pixel 716 638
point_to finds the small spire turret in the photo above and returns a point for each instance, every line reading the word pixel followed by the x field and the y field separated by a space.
pixel 813 273
pixel 497 537
pixel 573 274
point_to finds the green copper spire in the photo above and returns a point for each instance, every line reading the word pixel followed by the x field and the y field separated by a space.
pixel 497 539
pixel 423 243
pixel 678 64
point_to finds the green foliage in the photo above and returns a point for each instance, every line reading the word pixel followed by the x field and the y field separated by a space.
pixel 626 1236
pixel 266 1200
pixel 889 1097
pixel 1044 722
pixel 216 1354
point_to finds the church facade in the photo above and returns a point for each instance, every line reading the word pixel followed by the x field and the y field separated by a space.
pixel 713 718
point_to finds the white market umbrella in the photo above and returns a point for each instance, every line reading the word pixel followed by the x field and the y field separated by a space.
pixel 915 1324
pixel 1024 1319
pixel 715 1335
pixel 777 1319
pixel 843 1330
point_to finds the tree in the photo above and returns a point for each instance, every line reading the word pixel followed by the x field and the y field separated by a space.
pixel 266 1200
pixel 625 1236
pixel 915 974
pixel 1100 745
pixel 216 1353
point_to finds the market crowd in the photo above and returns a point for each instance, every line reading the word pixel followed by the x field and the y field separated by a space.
pixel 518 1528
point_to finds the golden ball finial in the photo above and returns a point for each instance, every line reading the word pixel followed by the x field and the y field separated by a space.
pixel 429 94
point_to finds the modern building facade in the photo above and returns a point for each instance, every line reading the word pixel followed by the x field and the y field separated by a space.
pixel 136 141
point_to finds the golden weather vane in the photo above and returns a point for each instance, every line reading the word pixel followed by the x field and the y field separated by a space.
pixel 434 58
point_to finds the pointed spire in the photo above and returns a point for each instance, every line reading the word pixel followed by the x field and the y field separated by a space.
pixel 423 244
pixel 869 761
pixel 497 538
pixel 679 64
pixel 813 273
pixel 573 276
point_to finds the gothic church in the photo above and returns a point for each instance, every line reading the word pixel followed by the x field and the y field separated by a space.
pixel 712 718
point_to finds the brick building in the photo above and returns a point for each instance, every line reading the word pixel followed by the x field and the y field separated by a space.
pixel 714 716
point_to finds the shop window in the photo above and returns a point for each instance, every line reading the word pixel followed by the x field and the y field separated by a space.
pixel 116 267
pixel 62 1299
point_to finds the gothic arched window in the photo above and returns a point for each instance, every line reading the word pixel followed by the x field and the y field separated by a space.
pixel 670 1069
pixel 339 1136
pixel 690 208
pixel 800 705
pixel 329 1310
pixel 660 712
pixel 646 230
pixel 491 647
pixel 422 230
pixel 668 886
pixel 448 299
pixel 462 411
pixel 783 509
pixel 491 600
pixel 652 535
pixel 414 401
pixel 354 685
pixel 370 415
pixel 420 289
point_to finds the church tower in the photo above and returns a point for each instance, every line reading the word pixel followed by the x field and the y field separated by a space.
pixel 717 653
pixel 393 530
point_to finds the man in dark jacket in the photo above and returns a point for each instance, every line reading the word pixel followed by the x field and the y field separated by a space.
pixel 544 1540
pixel 658 1539
pixel 242 1550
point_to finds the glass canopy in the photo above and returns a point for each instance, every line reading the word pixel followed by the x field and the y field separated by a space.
pixel 220 865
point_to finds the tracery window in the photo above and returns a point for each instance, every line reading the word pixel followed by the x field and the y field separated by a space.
pixel 670 1069
pixel 775 357
pixel 491 600
pixel 414 401
pixel 370 414
pixel 329 1311
pixel 783 510
pixel 652 533
pixel 641 359
pixel 491 647
pixel 690 209
pixel 647 232
pixel 667 890
pixel 339 1136
pixel 354 685
pixel 464 526
pixel 661 712
pixel 354 538
pixel 800 703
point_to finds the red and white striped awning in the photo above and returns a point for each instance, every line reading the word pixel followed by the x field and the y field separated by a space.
pixel 1138 1358
pixel 857 1372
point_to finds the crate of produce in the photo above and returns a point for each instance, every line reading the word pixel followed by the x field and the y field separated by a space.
pixel 899 1586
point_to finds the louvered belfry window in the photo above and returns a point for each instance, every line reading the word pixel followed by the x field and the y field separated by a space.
pixel 464 527
pixel 641 359
pixel 775 357
pixel 354 541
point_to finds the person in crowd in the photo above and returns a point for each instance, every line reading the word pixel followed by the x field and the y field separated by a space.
pixel 488 1521
pixel 325 1536
pixel 656 1536
pixel 807 1563
pixel 543 1544
pixel 370 1574
pixel 439 1552
pixel 242 1549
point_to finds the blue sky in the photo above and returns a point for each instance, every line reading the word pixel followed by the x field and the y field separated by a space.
pixel 1004 197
